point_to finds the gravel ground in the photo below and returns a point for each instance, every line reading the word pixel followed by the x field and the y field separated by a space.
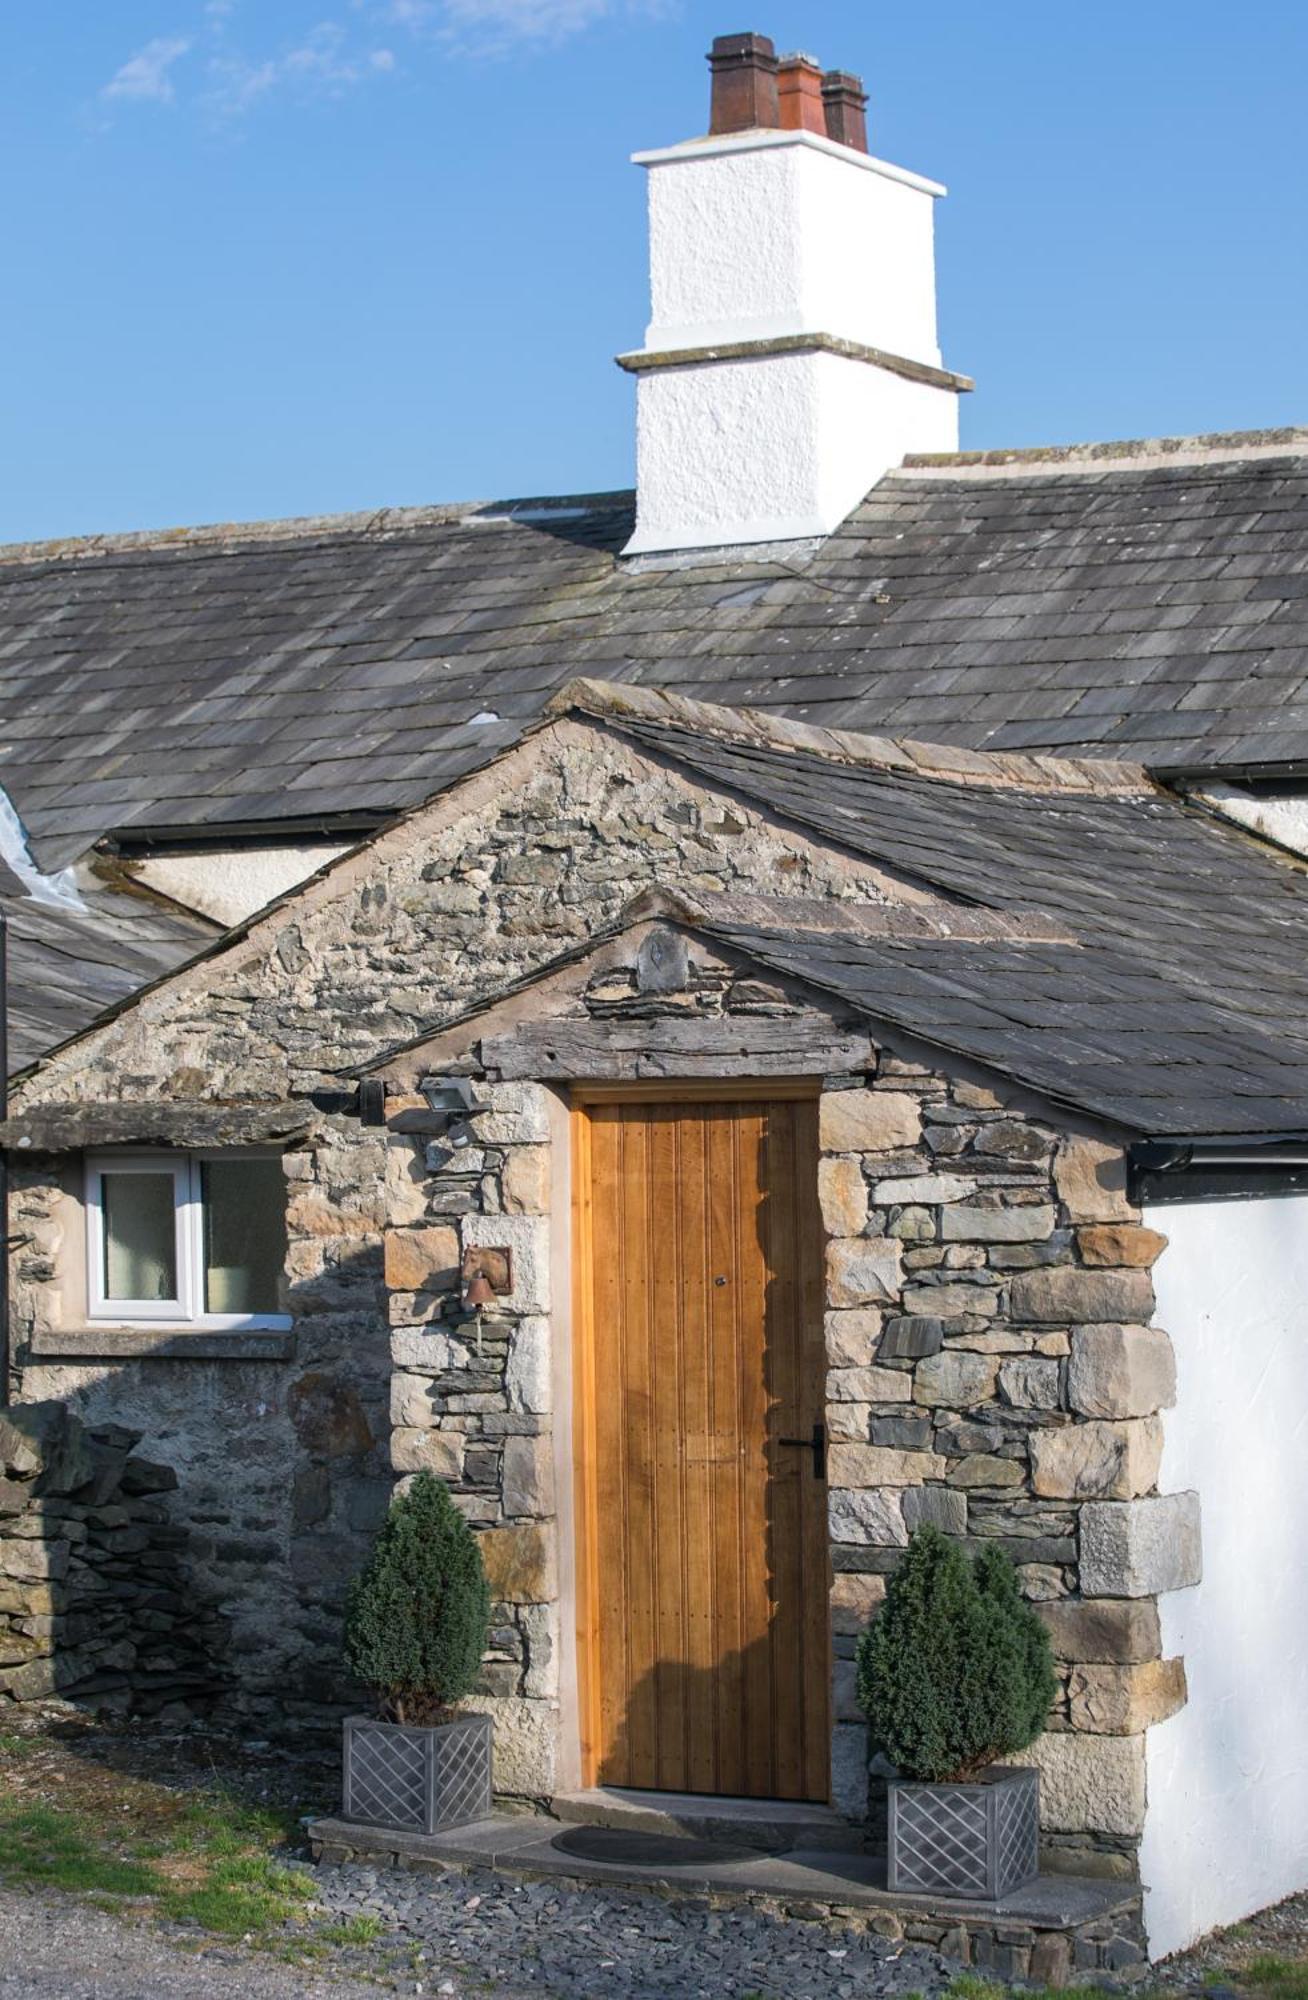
pixel 52 1948
pixel 460 1936
pixel 539 1937
pixel 1280 1932
pixel 476 1935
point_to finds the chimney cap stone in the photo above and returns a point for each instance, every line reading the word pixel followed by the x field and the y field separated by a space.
pixel 739 48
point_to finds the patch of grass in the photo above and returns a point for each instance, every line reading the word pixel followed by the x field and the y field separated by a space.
pixel 216 1823
pixel 351 1930
pixel 58 1850
pixel 205 1858
pixel 1287 1978
pixel 970 1986
pixel 240 1894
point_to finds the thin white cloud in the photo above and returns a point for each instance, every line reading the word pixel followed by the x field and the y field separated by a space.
pixel 343 51
pixel 488 26
pixel 529 20
pixel 413 14
pixel 324 63
pixel 147 76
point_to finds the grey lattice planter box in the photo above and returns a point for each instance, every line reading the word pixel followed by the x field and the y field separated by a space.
pixel 980 1841
pixel 417 1780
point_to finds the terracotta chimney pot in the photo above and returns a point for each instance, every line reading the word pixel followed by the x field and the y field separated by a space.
pixel 799 94
pixel 845 103
pixel 744 84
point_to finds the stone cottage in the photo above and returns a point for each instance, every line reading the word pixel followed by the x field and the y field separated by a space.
pixel 717 1114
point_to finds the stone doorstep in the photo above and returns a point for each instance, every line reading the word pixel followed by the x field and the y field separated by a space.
pixel 1097 1918
pixel 770 1824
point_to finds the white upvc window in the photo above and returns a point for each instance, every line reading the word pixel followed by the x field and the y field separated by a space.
pixel 191 1239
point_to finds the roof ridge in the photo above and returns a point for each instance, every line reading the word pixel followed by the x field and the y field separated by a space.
pixel 625 702
pixel 1119 455
pixel 896 922
pixel 371 522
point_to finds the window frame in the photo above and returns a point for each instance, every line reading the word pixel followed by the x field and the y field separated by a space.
pixel 186 1311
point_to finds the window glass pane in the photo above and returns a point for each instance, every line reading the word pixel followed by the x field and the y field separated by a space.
pixel 244 1236
pixel 140 1236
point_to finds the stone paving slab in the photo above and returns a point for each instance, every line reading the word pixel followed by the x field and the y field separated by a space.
pixel 518 1844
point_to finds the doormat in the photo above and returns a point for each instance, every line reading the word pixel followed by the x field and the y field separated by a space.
pixel 620 1848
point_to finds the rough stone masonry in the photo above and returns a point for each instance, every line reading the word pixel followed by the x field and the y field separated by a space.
pixel 284 1467
pixel 991 1365
pixel 97 1603
pixel 991 1369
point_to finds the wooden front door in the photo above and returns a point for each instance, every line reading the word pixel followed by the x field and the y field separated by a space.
pixel 703 1572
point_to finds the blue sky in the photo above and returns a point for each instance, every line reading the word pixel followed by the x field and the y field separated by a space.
pixel 268 257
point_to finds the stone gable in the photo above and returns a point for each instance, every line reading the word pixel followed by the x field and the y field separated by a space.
pixel 491 881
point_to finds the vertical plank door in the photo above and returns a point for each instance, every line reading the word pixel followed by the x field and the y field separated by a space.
pixel 703 1536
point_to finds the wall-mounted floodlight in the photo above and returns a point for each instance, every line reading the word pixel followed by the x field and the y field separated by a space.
pixel 456 1096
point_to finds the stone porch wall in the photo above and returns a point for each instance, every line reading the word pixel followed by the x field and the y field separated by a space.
pixel 991 1369
pixel 281 1469
pixel 472 1397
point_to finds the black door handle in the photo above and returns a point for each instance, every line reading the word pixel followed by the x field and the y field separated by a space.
pixel 817 1444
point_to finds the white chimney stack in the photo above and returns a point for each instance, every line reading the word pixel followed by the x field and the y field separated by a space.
pixel 792 357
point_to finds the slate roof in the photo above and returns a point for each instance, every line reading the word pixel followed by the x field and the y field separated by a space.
pixel 1094 937
pixel 66 966
pixel 1150 602
pixel 1094 1030
pixel 1169 993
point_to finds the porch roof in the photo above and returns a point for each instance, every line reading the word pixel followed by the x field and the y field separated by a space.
pixel 1116 949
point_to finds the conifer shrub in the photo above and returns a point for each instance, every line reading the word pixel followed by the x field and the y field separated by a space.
pixel 417 1614
pixel 956 1670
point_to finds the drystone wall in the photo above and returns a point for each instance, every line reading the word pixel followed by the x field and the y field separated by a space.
pixel 98 1601
pixel 282 1465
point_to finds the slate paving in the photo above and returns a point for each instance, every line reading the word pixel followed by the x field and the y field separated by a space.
pixel 482 1931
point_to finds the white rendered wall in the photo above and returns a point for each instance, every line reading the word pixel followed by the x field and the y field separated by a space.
pixel 1282 817
pixel 1226 1830
pixel 774 448
pixel 782 233
pixel 230 884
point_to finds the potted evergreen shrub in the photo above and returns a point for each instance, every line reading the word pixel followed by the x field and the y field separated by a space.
pixel 955 1673
pixel 415 1630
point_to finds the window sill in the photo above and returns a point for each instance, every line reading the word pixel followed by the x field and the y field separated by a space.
pixel 168 1343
